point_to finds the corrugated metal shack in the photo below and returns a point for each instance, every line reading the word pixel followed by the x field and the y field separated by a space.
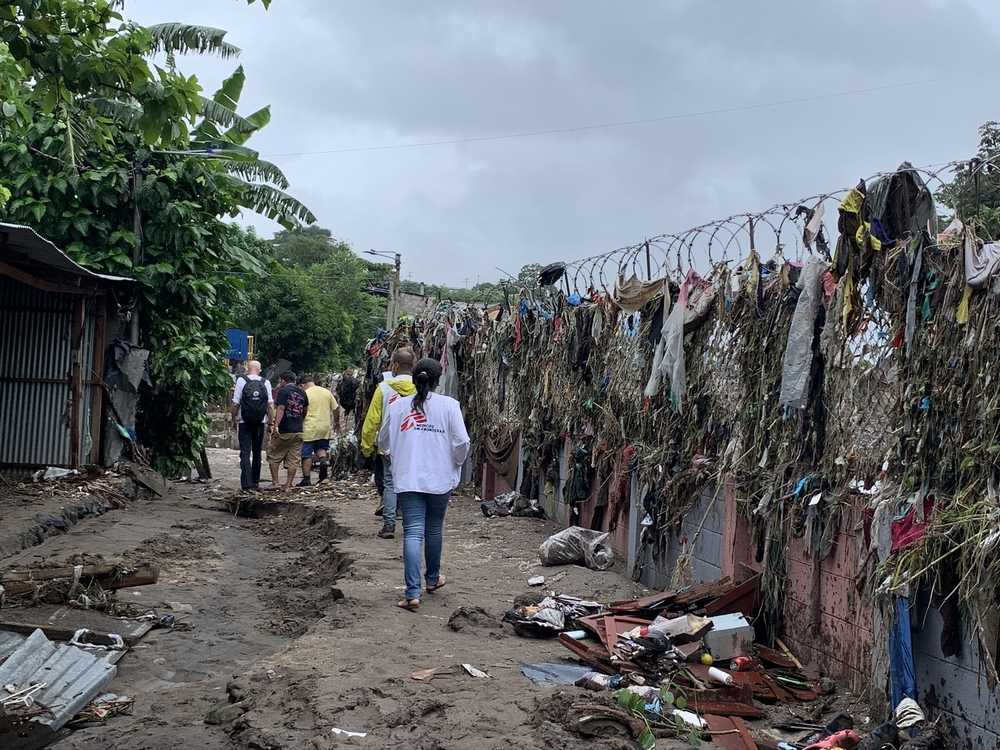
pixel 55 320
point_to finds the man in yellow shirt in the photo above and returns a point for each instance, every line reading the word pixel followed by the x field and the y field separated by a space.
pixel 316 431
pixel 401 384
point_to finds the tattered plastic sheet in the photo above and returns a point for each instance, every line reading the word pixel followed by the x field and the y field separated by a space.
pixel 553 673
pixel 797 362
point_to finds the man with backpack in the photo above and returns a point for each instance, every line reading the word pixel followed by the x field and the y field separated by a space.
pixel 253 408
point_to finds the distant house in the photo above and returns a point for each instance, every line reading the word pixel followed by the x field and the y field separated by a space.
pixel 56 319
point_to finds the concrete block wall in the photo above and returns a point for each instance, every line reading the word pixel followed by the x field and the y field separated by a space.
pixel 707 555
pixel 954 689
pixel 836 636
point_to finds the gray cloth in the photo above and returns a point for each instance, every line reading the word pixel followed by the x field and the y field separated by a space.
pixel 797 362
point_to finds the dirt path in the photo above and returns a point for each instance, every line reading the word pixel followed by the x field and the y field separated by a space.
pixel 293 613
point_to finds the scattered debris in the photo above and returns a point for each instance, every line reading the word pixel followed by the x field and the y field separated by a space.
pixel 102 709
pixel 226 713
pixel 512 504
pixel 66 583
pixel 475 672
pixel 51 683
pixel 345 733
pixel 536 581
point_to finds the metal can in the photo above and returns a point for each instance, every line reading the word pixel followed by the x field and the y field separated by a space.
pixel 741 663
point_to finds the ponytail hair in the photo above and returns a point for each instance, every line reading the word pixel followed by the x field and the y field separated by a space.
pixel 426 375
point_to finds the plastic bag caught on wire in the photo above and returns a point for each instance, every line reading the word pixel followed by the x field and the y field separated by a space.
pixel 797 362
pixel 576 545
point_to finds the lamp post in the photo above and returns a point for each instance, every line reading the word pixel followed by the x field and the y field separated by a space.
pixel 392 308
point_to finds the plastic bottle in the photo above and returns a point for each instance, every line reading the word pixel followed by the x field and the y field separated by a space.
pixel 719 676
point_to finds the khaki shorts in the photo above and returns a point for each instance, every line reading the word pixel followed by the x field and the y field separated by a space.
pixel 285 448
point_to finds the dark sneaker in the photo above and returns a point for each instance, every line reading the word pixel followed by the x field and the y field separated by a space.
pixel 306 482
pixel 387 532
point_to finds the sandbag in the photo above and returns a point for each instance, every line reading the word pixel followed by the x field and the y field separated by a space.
pixel 578 545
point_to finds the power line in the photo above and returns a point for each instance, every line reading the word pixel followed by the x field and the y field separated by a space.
pixel 626 123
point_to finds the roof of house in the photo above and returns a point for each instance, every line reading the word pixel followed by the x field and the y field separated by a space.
pixel 25 249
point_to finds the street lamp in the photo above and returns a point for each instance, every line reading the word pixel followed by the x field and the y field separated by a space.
pixel 392 309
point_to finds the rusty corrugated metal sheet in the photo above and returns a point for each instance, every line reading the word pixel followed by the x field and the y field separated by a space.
pixel 73 677
pixel 26 247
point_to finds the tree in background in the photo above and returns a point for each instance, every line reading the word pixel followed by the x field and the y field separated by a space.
pixel 83 109
pixel 974 193
pixel 311 306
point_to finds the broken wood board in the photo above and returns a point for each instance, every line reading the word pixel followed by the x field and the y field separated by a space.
pixel 726 735
pixel 131 637
pixel 150 479
pixel 109 576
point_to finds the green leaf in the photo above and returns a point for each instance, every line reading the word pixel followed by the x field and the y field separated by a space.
pixel 9 110
pixel 646 739
pixel 681 702
pixel 181 39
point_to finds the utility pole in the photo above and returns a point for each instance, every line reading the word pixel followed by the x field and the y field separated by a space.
pixel 395 292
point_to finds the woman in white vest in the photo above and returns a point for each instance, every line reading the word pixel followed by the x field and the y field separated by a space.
pixel 425 437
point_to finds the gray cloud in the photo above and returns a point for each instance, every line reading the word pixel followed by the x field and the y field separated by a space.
pixel 346 76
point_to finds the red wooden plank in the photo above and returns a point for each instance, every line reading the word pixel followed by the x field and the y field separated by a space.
pixel 724 734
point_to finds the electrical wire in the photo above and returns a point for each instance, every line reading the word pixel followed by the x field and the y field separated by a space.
pixel 626 123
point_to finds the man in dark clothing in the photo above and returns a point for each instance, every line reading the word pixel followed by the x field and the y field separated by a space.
pixel 285 445
pixel 250 416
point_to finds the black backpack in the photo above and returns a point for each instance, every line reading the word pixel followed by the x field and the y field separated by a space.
pixel 253 402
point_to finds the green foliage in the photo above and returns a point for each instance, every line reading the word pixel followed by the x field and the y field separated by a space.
pixel 310 307
pixel 82 109
pixel 974 193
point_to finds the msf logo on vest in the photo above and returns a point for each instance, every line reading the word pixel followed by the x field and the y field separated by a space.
pixel 415 418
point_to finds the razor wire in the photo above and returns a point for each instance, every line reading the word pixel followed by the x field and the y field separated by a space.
pixel 778 229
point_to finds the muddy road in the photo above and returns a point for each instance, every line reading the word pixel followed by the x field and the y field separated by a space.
pixel 291 607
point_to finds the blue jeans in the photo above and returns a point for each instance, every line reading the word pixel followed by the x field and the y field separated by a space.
pixel 388 494
pixel 423 525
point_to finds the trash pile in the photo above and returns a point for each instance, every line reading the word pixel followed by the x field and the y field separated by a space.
pixel 512 504
pixel 689 663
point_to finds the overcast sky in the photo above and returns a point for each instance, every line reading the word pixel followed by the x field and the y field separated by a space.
pixel 347 80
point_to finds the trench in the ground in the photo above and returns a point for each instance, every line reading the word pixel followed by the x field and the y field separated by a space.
pixel 298 592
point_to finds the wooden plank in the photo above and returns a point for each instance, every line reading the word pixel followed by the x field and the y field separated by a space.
pixel 97 371
pixel 76 378
pixel 745 598
pixel 724 734
pixel 748 741
pixel 19 584
pixel 130 638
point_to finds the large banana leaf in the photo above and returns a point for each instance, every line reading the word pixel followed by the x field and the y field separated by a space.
pixel 258 170
pixel 220 114
pixel 182 38
pixel 273 203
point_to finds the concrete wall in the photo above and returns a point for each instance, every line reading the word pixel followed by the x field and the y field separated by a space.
pixel 827 625
pixel 706 557
pixel 955 688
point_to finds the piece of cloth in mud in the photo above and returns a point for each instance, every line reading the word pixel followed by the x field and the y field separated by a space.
pixel 634 294
pixel 553 673
pixel 503 454
pixel 797 362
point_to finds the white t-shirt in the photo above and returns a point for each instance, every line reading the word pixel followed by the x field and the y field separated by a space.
pixel 427 450
pixel 238 394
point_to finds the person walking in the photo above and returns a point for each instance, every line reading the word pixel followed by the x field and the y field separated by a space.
pixel 285 445
pixel 425 437
pixel 253 407
pixel 397 385
pixel 316 429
